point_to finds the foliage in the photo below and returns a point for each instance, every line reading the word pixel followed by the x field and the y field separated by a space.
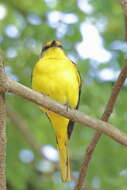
pixel 22 31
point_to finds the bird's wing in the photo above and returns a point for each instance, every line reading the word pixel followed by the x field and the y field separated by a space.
pixel 71 123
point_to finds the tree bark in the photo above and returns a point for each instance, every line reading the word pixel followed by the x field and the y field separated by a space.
pixel 2 142
pixel 2 136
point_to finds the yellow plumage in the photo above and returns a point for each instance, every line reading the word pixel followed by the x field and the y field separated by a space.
pixel 56 76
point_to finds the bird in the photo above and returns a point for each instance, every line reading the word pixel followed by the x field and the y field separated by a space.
pixel 56 76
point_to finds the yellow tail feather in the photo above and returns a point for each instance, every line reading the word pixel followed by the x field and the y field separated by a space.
pixel 60 124
pixel 64 161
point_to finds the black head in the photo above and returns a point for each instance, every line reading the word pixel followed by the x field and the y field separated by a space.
pixel 52 43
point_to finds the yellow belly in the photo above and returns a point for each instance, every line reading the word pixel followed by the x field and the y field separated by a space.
pixel 57 79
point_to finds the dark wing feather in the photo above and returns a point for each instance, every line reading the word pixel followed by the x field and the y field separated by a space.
pixel 71 123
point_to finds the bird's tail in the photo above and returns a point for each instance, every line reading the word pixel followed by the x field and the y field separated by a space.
pixel 64 160
pixel 60 124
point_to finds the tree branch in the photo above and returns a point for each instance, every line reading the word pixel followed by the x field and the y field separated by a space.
pixel 2 135
pixel 22 126
pixel 124 5
pixel 12 86
pixel 108 110
pixel 18 121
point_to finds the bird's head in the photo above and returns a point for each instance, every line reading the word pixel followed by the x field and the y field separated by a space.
pixel 50 44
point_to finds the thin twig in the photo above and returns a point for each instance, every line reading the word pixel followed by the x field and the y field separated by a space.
pixel 20 123
pixel 125 21
pixel 14 87
pixel 97 135
pixel 22 126
pixel 108 110
pixel 2 135
pixel 124 6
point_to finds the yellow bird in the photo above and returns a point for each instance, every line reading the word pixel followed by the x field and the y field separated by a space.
pixel 57 77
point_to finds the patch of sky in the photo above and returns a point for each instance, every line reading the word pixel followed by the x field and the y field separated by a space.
pixel 20 21
pixel 85 6
pixel 109 72
pixel 45 166
pixel 119 46
pixel 91 46
pixel 26 155
pixel 123 172
pixel 34 19
pixel 56 177
pixel 8 72
pixel 3 11
pixel 60 21
pixel 56 17
pixel 33 45
pixel 11 52
pixel 51 3
pixel 61 30
pixel 69 18
pixel 96 183
pixel 50 153
pixel 72 57
pixel 12 31
pixel 101 23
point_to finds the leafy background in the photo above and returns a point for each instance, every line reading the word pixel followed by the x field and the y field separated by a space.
pixel 93 35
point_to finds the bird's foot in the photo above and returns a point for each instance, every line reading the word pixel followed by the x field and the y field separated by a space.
pixel 67 107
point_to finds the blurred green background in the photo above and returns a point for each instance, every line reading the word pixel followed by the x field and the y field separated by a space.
pixel 93 36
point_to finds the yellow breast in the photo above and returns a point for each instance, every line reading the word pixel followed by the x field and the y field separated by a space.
pixel 56 76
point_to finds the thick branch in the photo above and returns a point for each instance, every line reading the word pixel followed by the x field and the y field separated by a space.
pixel 74 115
pixel 2 136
